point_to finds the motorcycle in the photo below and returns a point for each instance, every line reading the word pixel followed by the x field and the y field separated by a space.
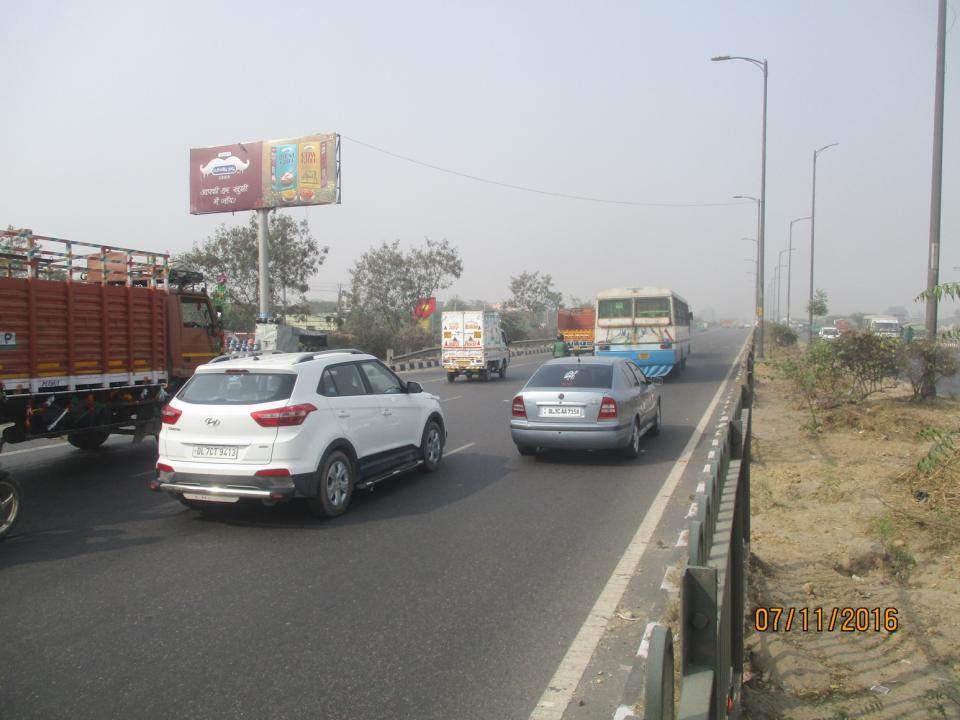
pixel 10 497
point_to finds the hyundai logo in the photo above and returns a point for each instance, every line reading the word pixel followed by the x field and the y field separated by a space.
pixel 212 421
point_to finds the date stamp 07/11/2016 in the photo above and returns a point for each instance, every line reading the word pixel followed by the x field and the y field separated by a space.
pixel 838 619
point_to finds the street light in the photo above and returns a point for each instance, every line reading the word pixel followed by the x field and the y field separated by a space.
pixel 813 215
pixel 762 203
pixel 780 278
pixel 790 264
pixel 759 293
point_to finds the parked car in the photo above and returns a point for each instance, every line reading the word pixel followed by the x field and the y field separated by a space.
pixel 586 403
pixel 272 427
pixel 829 333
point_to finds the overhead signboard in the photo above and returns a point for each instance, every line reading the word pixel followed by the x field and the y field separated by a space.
pixel 265 174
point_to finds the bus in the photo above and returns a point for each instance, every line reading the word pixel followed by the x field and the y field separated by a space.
pixel 649 325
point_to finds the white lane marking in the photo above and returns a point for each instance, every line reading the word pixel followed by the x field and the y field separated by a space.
pixel 564 682
pixel 684 539
pixel 644 648
pixel 462 447
pixel 36 449
pixel 623 712
pixel 455 397
pixel 701 487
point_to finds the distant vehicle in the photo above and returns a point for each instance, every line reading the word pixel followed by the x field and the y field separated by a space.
pixel 473 344
pixel 648 325
pixel 589 403
pixel 883 325
pixel 272 427
pixel 829 333
pixel 577 326
pixel 843 326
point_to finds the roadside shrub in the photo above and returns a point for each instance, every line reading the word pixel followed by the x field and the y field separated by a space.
pixel 783 335
pixel 412 338
pixel 870 360
pixel 924 363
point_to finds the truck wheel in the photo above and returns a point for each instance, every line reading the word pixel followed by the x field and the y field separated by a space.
pixel 484 375
pixel 451 377
pixel 89 440
pixel 526 450
pixel 335 488
pixel 503 370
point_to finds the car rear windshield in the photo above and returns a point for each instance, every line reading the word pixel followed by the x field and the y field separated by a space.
pixel 237 388
pixel 573 375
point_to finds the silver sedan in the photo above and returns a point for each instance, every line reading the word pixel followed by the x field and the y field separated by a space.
pixel 586 403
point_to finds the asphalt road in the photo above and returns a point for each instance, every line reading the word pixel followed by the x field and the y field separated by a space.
pixel 451 595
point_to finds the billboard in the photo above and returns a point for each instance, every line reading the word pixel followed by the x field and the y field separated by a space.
pixel 265 174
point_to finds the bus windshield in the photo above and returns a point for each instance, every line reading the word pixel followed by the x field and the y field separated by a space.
pixel 652 307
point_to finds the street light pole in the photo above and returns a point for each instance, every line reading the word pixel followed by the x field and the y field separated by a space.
pixel 762 65
pixel 790 264
pixel 933 265
pixel 780 278
pixel 813 215
pixel 759 299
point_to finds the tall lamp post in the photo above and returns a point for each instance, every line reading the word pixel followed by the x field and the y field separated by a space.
pixel 813 215
pixel 759 312
pixel 762 66
pixel 790 263
pixel 780 278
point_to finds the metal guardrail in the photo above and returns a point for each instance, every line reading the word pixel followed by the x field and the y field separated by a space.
pixel 713 590
pixel 427 352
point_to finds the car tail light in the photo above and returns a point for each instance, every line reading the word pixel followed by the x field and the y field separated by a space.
pixel 163 467
pixel 518 409
pixel 169 415
pixel 273 472
pixel 666 346
pixel 283 417
pixel 608 409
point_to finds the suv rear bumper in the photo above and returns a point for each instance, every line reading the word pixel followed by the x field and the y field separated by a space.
pixel 242 486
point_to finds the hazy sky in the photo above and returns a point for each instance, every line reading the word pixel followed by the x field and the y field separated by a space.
pixel 611 99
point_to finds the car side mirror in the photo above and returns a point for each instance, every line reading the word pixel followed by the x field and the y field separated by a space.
pixel 414 387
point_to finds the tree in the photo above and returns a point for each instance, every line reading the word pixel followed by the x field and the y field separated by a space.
pixel 819 304
pixel 295 257
pixel 387 281
pixel 576 302
pixel 533 293
pixel 858 319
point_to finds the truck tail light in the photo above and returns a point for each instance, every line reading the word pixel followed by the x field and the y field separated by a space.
pixel 517 408
pixel 283 417
pixel 169 415
pixel 273 472
pixel 608 409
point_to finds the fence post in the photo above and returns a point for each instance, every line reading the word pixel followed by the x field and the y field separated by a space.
pixel 658 688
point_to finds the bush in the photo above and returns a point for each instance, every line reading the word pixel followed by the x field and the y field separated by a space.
pixel 924 362
pixel 848 369
pixel 782 335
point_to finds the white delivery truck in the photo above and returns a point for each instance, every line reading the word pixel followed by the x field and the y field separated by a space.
pixel 883 325
pixel 473 344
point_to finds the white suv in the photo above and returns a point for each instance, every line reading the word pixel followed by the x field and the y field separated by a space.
pixel 277 426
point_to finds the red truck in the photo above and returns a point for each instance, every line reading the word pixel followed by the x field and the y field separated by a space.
pixel 95 339
pixel 577 326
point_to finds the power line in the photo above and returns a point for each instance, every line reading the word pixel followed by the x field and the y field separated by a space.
pixel 468 176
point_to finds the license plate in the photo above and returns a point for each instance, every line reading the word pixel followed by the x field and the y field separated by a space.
pixel 644 356
pixel 219 452
pixel 211 498
pixel 574 412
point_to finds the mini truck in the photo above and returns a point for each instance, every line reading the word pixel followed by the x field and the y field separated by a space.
pixel 473 344
pixel 94 339
pixel 577 328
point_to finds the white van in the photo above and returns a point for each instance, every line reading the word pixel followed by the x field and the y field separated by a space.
pixel 883 325
pixel 473 344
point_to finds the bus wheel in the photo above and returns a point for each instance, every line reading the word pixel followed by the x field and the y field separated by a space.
pixel 89 440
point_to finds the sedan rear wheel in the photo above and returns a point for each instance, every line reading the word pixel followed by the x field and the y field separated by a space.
pixel 658 423
pixel 9 503
pixel 632 450
pixel 335 488
pixel 526 450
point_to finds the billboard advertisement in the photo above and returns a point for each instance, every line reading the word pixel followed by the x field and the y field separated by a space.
pixel 265 174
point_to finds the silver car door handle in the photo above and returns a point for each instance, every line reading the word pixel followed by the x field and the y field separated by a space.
pixel 387 412
pixel 343 413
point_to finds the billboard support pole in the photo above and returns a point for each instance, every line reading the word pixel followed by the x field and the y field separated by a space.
pixel 263 253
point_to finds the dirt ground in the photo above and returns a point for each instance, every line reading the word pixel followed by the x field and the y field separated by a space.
pixel 842 518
